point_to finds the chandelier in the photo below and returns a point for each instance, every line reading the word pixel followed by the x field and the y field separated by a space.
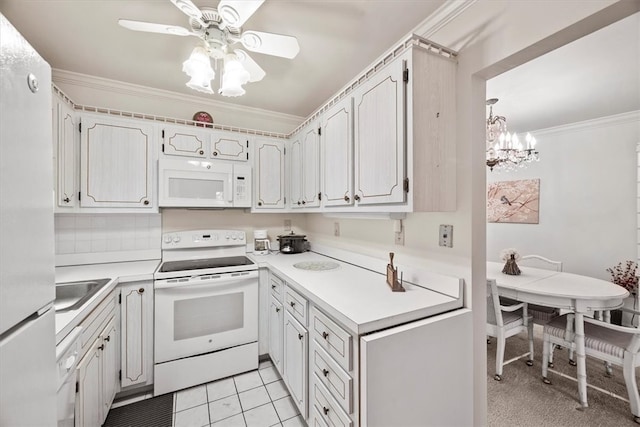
pixel 505 151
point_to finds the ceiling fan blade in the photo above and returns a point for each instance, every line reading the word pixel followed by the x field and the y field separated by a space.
pixel 235 13
pixel 188 8
pixel 270 44
pixel 154 28
pixel 256 73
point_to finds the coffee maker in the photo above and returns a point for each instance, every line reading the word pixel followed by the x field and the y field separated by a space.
pixel 261 243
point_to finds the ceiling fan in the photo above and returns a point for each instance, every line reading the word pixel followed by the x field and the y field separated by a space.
pixel 220 30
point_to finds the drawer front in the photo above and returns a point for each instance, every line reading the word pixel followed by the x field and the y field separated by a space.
pixel 277 286
pixel 328 408
pixel 316 419
pixel 332 338
pixel 296 304
pixel 333 377
pixel 93 324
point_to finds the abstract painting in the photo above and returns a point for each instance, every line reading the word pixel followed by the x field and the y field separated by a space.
pixel 514 201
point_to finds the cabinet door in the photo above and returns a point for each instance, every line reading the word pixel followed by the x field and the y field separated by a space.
pixel 269 164
pixel 295 361
pixel 89 397
pixel 295 172
pixel 229 146
pixel 184 141
pixel 109 366
pixel 65 125
pixel 337 154
pixel 116 163
pixel 276 319
pixel 311 167
pixel 136 317
pixel 380 137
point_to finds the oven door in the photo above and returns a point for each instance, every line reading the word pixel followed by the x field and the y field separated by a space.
pixel 202 314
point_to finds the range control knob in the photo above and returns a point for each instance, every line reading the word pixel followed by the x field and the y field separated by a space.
pixel 176 239
pixel 227 237
pixel 167 239
pixel 234 236
pixel 241 236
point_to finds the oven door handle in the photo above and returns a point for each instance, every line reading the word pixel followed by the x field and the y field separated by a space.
pixel 208 283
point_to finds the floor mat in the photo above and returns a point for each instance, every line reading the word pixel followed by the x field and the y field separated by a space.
pixel 154 412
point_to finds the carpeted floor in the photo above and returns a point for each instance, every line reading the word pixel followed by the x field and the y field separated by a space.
pixel 522 399
pixel 154 412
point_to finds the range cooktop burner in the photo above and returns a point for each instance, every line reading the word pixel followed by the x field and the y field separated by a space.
pixel 200 264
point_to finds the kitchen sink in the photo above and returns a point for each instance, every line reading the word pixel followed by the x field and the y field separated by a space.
pixel 71 295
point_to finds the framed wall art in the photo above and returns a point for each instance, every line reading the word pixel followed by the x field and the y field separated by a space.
pixel 515 202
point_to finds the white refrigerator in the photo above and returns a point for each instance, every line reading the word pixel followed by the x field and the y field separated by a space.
pixel 27 271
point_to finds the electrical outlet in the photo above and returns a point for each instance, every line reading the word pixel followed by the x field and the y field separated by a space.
pixel 446 235
pixel 399 240
pixel 287 225
pixel 336 229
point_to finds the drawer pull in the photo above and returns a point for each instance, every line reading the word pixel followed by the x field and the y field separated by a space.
pixel 325 335
pixel 325 372
pixel 300 336
pixel 325 410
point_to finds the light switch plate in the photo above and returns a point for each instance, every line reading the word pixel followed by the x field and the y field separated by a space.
pixel 287 225
pixel 446 235
pixel 336 229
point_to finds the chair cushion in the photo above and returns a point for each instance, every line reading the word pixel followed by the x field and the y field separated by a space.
pixel 542 314
pixel 596 337
pixel 512 319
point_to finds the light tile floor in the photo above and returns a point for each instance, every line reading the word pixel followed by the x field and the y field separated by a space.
pixel 253 399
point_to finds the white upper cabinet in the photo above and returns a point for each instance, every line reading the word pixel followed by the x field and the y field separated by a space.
pixel 294 177
pixel 185 141
pixel 117 163
pixel 269 174
pixel 229 146
pixel 379 116
pixel 337 154
pixel 65 137
pixel 304 168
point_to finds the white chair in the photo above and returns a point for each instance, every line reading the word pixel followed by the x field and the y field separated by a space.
pixel 504 321
pixel 541 314
pixel 617 345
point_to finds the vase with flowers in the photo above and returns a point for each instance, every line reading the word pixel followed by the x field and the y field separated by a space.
pixel 624 274
pixel 510 257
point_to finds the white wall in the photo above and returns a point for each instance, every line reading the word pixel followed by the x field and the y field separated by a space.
pixel 587 175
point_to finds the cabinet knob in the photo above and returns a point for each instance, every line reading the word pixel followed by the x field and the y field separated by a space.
pixel 325 335
pixel 300 336
pixel 141 291
pixel 146 202
pixel 347 198
pixel 201 152
pixel 277 310
pixel 215 153
pixel 299 203
pixel 107 338
pixel 325 410
pixel 356 198
pixel 273 286
pixel 259 203
pixel 292 303
pixel 101 347
pixel 66 200
pixel 325 372
pixel 304 202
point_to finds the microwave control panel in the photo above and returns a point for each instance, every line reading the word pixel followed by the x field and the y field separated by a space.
pixel 241 186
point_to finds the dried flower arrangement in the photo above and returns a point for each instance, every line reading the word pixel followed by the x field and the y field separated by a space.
pixel 505 254
pixel 625 275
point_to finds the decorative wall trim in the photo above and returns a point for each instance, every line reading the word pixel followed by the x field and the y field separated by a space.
pixel 638 202
pixel 442 16
pixel 616 119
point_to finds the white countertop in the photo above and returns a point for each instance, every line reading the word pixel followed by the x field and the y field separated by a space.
pixel 118 272
pixel 358 298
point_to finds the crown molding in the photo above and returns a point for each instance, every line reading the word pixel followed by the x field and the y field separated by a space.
pixel 616 119
pixel 114 86
pixel 442 16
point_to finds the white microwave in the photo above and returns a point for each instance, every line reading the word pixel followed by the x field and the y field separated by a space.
pixel 201 184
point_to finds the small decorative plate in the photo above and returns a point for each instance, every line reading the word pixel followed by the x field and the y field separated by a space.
pixel 316 265
pixel 202 116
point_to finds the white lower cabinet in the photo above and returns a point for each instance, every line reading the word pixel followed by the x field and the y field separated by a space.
pixel 136 319
pixel 276 340
pixel 98 378
pixel 295 361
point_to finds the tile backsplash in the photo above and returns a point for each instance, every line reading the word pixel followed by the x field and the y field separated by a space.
pixel 107 233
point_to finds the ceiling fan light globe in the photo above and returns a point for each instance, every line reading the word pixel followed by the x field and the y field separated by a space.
pixel 200 86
